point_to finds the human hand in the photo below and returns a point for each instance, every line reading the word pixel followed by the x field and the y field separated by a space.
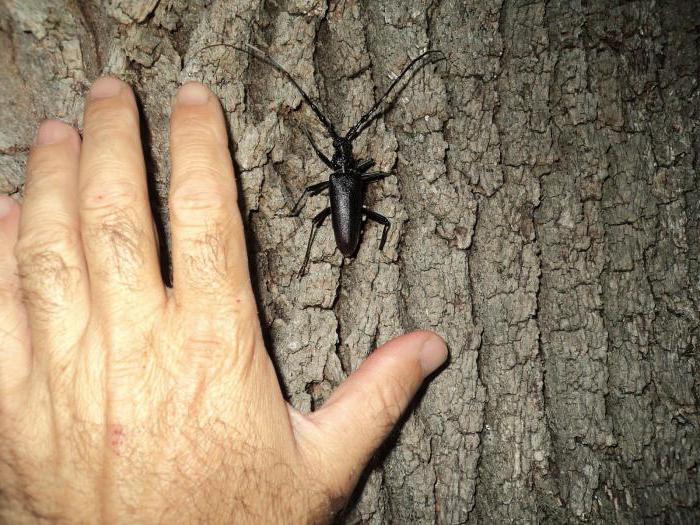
pixel 121 400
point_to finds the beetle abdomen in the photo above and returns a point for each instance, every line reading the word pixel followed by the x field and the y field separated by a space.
pixel 346 211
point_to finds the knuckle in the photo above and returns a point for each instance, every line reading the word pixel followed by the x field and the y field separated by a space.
pixel 101 195
pixel 204 341
pixel 193 126
pixel 42 169
pixel 200 194
pixel 197 160
pixel 215 340
pixel 51 237
pixel 117 241
pixel 43 257
pixel 390 400
pixel 107 117
pixel 206 262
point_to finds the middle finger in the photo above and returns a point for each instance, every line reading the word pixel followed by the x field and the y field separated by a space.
pixel 116 220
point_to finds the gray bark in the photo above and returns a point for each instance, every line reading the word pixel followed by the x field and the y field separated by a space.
pixel 546 221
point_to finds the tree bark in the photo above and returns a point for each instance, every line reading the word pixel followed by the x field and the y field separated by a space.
pixel 545 208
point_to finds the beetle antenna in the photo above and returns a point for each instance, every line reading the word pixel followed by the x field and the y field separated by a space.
pixel 367 118
pixel 267 59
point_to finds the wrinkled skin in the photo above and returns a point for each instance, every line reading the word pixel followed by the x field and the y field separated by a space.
pixel 125 401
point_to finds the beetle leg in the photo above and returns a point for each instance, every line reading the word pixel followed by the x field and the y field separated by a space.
pixel 315 225
pixel 376 217
pixel 364 165
pixel 374 176
pixel 320 154
pixel 314 189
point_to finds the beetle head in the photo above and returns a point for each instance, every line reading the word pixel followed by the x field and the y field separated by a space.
pixel 343 149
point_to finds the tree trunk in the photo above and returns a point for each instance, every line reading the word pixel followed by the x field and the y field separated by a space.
pixel 545 208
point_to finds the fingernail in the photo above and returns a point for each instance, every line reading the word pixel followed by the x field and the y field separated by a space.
pixel 433 354
pixel 51 132
pixel 192 94
pixel 6 204
pixel 105 87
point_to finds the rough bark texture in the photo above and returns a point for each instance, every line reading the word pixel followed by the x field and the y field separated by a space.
pixel 546 221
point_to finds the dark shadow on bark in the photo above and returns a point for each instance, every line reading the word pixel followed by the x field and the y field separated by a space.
pixel 157 206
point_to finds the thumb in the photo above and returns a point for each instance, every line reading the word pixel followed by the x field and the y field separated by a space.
pixel 365 408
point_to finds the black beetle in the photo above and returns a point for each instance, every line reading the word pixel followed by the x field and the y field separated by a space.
pixel 350 176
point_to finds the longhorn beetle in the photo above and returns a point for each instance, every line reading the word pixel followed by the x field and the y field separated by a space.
pixel 350 176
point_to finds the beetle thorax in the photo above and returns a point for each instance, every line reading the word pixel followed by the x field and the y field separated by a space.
pixel 343 153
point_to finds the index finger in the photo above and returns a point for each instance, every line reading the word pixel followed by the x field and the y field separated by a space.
pixel 209 250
